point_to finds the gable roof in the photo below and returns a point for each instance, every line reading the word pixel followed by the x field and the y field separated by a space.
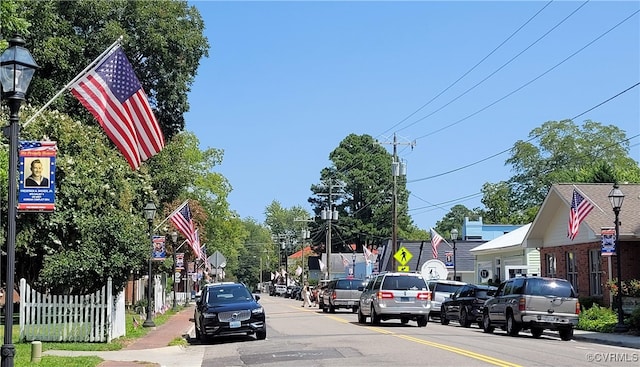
pixel 511 239
pixel 558 203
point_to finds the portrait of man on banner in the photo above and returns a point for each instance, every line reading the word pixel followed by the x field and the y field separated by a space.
pixel 608 241
pixel 159 250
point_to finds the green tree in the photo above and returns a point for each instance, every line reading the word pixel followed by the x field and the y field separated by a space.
pixel 97 229
pixel 163 40
pixel 364 197
pixel 454 219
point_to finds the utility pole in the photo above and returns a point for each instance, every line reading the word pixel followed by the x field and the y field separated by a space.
pixel 329 213
pixel 397 169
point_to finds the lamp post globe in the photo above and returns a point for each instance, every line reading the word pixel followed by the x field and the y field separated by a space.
pixel 16 70
pixel 149 214
pixel 616 197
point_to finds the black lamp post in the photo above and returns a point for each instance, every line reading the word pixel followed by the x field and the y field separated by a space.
pixel 174 239
pixel 454 237
pixel 616 197
pixel 16 70
pixel 149 214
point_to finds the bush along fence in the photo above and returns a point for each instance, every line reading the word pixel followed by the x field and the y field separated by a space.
pixel 97 317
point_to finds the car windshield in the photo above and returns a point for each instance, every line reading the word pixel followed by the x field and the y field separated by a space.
pixel 404 283
pixel 547 287
pixel 222 295
pixel 447 288
pixel 482 293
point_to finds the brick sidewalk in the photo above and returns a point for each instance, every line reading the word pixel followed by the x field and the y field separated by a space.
pixel 160 336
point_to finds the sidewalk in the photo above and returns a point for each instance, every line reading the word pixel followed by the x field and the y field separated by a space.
pixel 153 349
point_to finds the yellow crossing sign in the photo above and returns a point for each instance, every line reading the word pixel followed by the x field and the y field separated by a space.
pixel 403 256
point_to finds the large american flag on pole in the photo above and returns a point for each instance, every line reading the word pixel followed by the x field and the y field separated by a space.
pixel 580 208
pixel 183 221
pixel 114 96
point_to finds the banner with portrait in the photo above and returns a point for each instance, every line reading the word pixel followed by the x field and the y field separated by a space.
pixel 448 259
pixel 159 252
pixel 608 236
pixel 180 260
pixel 37 179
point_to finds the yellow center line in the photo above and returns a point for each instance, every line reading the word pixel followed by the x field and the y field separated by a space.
pixel 463 352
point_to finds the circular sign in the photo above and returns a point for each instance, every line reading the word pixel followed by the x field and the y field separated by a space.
pixel 434 269
pixel 484 273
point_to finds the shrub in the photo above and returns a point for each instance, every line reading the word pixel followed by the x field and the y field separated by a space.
pixel 630 288
pixel 596 318
pixel 587 302
pixel 634 319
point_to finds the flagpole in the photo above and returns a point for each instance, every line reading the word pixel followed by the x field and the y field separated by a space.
pixel 73 81
pixel 172 213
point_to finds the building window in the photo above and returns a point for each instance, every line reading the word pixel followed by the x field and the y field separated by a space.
pixel 551 266
pixel 595 273
pixel 572 269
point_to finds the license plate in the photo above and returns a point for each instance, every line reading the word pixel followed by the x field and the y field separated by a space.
pixel 548 318
pixel 404 299
pixel 234 324
pixel 349 303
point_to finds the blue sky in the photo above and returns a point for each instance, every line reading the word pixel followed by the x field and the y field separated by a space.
pixel 285 82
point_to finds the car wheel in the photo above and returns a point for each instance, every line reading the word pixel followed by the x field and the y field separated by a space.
pixel 464 320
pixel 443 317
pixel 261 335
pixel 197 332
pixel 566 334
pixel 422 321
pixel 486 324
pixel 361 317
pixel 375 319
pixel 536 332
pixel 354 309
pixel 512 326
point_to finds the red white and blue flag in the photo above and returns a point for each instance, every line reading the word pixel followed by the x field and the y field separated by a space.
pixel 183 221
pixel 580 208
pixel 114 96
pixel 435 241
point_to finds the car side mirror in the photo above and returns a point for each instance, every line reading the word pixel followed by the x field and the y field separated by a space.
pixel 360 288
pixel 491 293
pixel 256 296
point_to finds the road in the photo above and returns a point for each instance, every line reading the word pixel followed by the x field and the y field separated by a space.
pixel 307 337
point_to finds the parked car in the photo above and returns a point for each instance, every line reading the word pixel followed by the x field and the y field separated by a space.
pixel 441 289
pixel 533 303
pixel 280 290
pixel 229 309
pixel 322 285
pixel 342 293
pixel 465 304
pixel 403 296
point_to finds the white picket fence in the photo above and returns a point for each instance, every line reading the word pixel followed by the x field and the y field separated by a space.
pixel 97 317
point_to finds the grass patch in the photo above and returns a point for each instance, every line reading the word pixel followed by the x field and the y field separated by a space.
pixel 23 348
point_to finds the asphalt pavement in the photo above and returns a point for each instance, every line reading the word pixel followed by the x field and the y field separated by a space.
pixel 153 349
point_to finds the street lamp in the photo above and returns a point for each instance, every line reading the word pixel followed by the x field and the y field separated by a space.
pixel 616 197
pixel 454 237
pixel 174 240
pixel 16 70
pixel 149 214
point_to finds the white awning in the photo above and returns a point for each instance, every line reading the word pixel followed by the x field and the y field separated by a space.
pixel 511 239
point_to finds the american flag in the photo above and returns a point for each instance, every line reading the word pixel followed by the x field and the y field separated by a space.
pixel 183 221
pixel 435 241
pixel 580 208
pixel 114 96
pixel 367 254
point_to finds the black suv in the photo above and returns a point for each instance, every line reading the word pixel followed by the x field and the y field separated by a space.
pixel 229 308
pixel 533 303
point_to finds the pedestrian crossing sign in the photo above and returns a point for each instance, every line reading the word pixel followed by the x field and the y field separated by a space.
pixel 403 268
pixel 403 256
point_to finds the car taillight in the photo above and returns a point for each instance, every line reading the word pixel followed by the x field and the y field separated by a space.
pixel 424 296
pixel 577 308
pixel 522 305
pixel 384 295
pixel 333 295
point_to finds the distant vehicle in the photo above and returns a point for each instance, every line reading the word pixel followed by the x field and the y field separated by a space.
pixel 403 296
pixel 465 305
pixel 342 293
pixel 533 303
pixel 280 290
pixel 226 309
pixel 441 289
